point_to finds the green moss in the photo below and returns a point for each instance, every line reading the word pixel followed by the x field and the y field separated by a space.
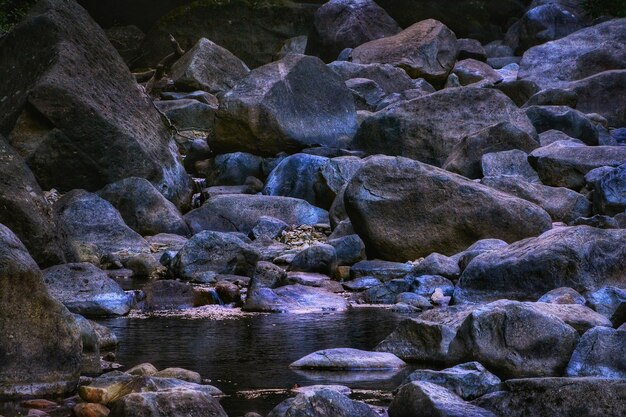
pixel 597 8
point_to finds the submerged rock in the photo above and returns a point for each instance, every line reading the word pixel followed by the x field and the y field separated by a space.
pixel 348 359
pixel 293 299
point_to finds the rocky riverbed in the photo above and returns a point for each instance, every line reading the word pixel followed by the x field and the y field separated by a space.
pixel 347 209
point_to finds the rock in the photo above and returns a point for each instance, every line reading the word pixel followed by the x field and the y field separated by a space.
pixel 565 166
pixel 180 373
pixel 582 258
pixel 426 50
pixel 428 128
pixel 603 93
pixel 90 410
pixel 569 121
pixel 189 114
pixel 320 258
pixel 541 24
pixel 599 221
pixel 382 270
pixel 387 76
pixel 267 275
pixel 600 353
pixel 209 67
pixel 263 113
pixel 86 290
pixel 606 300
pixel 562 204
pixel 310 279
pixel 387 292
pixel 234 168
pixel 94 228
pixel 551 136
pixel 321 403
pixel 33 362
pixel 127 41
pixel 367 94
pixel 341 24
pixel 465 158
pixel 360 284
pixel 90 360
pixel 580 317
pixel 414 300
pixel 268 226
pixel 554 97
pixel 508 337
pixel 419 398
pixel 169 295
pixel 348 359
pixel 349 249
pixel 386 182
pixel 112 131
pixel 609 195
pixel 297 176
pixel 210 253
pixel 143 369
pixel 478 248
pixel 295 45
pixel 576 56
pixel 105 336
pixel 563 295
pixel 293 299
pixel 24 209
pixel 469 380
pixel 438 264
pixel 508 163
pixel 470 71
pixel 143 208
pixel 471 49
pixel 592 397
pixel 169 403
pixel 240 213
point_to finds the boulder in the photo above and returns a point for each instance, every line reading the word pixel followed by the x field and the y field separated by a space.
pixel 169 295
pixel 471 49
pixel 385 204
pixel 465 158
pixel 509 338
pixel 341 24
pixel 143 207
pixel 189 114
pixel 582 257
pixel 75 112
pixel 209 67
pixel 562 204
pixel 94 228
pixel 508 163
pixel 607 300
pixel 565 166
pixel 297 176
pixel 168 403
pixel 367 94
pixel 293 299
pixel 579 316
pixel 427 49
pixel 592 397
pixel 603 93
pixel 563 295
pixel 320 258
pixel 264 113
pixel 600 353
pixel 86 290
pixel 179 373
pixel 579 55
pixel 322 403
pixel 469 380
pixel 388 77
pixel 234 168
pixel 349 249
pixel 240 213
pixel 24 209
pixel 419 398
pixel 470 71
pixel 429 127
pixel 209 253
pixel 40 339
pixel 565 119
pixel 609 195
pixel 348 359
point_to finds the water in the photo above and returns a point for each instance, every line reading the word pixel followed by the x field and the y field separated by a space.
pixel 254 352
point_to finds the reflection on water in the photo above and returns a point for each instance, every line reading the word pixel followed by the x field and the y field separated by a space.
pixel 255 352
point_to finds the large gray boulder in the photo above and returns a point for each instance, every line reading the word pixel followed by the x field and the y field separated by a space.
pixel 600 353
pixel 172 403
pixel 341 24
pixel 287 105
pixel 24 209
pixel 240 213
pixel 40 339
pixel 389 78
pixel 74 111
pixel 404 210
pixel 603 93
pixel 428 128
pixel 427 49
pixel 348 359
pixel 609 195
pixel 579 55
pixel 294 299
pixel 321 403
pixel 583 258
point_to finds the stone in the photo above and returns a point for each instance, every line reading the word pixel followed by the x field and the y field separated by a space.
pixel 94 228
pixel 341 24
pixel 389 78
pixel 468 380
pixel 569 121
pixel 293 299
pixel 188 114
pixel 320 258
pixel 414 300
pixel 367 94
pixel 209 67
pixel 168 403
pixel 606 300
pixel 508 163
pixel 90 410
pixel 592 397
pixel 381 201
pixel 143 369
pixel 562 204
pixel 296 176
pixel 295 45
pixel 438 264
pixel 382 270
pixel 465 158
pixel 470 71
pixel 263 113
pixel 179 373
pixel 24 209
pixel 508 338
pixel 563 295
pixel 603 93
pixel 86 290
pixel 386 293
pixel 582 257
pixel 210 253
pixel 580 317
pixel 428 128
pixel 234 168
pixel 427 49
pixel 348 359
pixel 33 363
pixel 360 284
pixel 599 221
pixel 553 97
pixel 112 131
pixel 169 295
pixel 322 403
pixel 268 226
pixel 419 398
pixel 609 195
pixel 600 353
pixel 550 136
pixel 127 41
pixel 349 249
pixel 267 275
pixel 143 207
pixel 471 49
pixel 565 166
pixel 105 336
pixel 579 55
